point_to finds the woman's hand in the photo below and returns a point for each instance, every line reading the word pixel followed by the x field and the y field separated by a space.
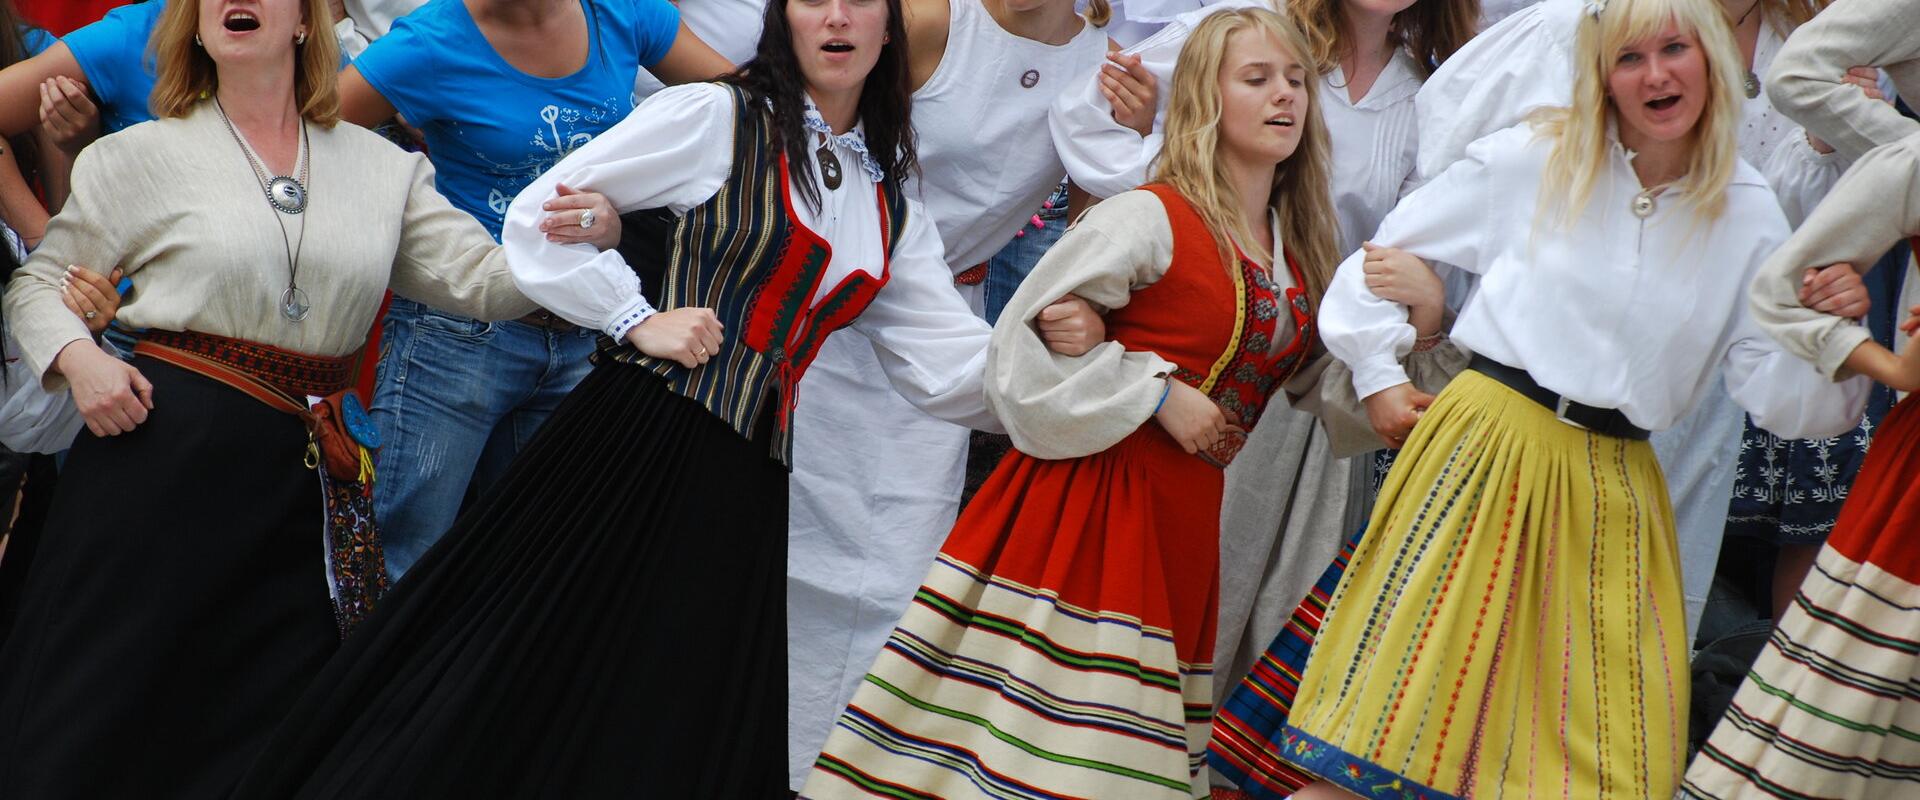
pixel 69 115
pixel 1070 326
pixel 90 296
pixel 1393 411
pixel 1131 90
pixel 689 336
pixel 112 396
pixel 1836 289
pixel 577 217
pixel 1190 417
pixel 1398 276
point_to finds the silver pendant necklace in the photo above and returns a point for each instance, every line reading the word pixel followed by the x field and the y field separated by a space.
pixel 286 195
pixel 829 165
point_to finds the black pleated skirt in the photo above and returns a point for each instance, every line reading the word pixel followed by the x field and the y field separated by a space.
pixel 177 605
pixel 609 622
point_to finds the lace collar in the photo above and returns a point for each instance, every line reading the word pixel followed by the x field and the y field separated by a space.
pixel 854 139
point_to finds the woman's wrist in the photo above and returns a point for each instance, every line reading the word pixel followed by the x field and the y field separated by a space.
pixel 1426 321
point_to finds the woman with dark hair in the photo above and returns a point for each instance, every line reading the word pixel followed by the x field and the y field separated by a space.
pixel 609 622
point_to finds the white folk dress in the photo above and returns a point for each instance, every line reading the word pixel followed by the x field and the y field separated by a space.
pixel 873 494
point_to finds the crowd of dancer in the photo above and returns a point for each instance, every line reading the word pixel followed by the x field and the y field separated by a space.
pixel 1350 398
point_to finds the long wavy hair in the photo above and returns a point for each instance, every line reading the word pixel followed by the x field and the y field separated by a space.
pixel 773 75
pixel 1429 30
pixel 13 50
pixel 184 75
pixel 1190 162
pixel 1582 144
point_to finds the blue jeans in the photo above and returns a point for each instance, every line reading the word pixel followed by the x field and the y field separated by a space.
pixel 455 400
pixel 1015 261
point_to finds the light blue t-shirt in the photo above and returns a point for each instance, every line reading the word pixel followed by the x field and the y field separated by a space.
pixel 490 128
pixel 112 53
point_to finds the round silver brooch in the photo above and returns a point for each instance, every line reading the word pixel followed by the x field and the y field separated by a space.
pixel 286 194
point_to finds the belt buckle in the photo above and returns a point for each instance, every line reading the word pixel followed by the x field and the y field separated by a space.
pixel 1560 413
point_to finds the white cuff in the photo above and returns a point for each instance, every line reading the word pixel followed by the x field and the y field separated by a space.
pixel 633 314
pixel 1377 373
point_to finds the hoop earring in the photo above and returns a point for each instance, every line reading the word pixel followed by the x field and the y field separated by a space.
pixel 301 39
pixel 197 42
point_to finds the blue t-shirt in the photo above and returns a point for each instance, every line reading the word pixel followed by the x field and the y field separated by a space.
pixel 113 55
pixel 36 40
pixel 490 128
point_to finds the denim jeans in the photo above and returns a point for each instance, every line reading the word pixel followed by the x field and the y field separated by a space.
pixel 455 399
pixel 1015 261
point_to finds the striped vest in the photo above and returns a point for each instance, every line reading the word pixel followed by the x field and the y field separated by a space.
pixel 745 254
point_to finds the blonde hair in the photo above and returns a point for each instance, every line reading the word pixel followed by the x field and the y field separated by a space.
pixel 1098 13
pixel 1189 159
pixel 1429 30
pixel 184 75
pixel 1786 15
pixel 1581 146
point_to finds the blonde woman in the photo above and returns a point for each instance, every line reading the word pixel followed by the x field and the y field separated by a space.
pixel 161 635
pixel 1061 642
pixel 1512 621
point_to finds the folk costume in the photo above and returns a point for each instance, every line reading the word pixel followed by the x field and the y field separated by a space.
pixel 1061 644
pixel 524 656
pixel 1831 708
pixel 181 599
pixel 1288 501
pixel 1525 62
pixel 874 494
pixel 1512 620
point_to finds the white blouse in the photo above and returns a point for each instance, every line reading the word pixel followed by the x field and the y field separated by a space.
pixel 675 151
pixel 1373 141
pixel 1617 312
pixel 1526 62
pixel 981 172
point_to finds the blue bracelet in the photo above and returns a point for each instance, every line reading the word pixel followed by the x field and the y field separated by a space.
pixel 1163 396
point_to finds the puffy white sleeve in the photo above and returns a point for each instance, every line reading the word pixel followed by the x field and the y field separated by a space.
pixel 1800 175
pixel 1522 63
pixel 1103 157
pixel 1057 406
pixel 1443 221
pixel 1786 395
pixel 1807 79
pixel 1871 207
pixel 674 151
pixel 928 341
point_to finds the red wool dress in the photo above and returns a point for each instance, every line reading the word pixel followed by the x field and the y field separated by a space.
pixel 1061 644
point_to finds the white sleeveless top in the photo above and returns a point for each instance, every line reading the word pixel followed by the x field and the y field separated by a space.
pixel 986 160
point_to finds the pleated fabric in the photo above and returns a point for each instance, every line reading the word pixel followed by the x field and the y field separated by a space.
pixel 608 622
pixel 1832 707
pixel 1060 646
pixel 1512 622
pixel 177 605
pixel 1250 724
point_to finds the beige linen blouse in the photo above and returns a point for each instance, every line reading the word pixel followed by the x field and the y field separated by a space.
pixel 175 203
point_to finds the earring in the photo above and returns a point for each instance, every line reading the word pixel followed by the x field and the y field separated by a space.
pixel 301 39
pixel 197 42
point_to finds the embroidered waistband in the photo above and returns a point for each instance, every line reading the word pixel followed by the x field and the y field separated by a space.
pixel 296 374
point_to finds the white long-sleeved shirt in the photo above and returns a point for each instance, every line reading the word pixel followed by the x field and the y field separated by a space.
pixel 1373 140
pixel 1614 312
pixel 675 152
pixel 1526 62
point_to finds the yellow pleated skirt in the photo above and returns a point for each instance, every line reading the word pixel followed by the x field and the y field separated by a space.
pixel 1511 625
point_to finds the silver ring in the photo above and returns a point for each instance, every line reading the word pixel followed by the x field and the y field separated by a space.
pixel 586 219
pixel 91 314
pixel 702 353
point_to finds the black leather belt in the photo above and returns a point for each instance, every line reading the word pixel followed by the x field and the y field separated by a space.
pixel 1603 421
